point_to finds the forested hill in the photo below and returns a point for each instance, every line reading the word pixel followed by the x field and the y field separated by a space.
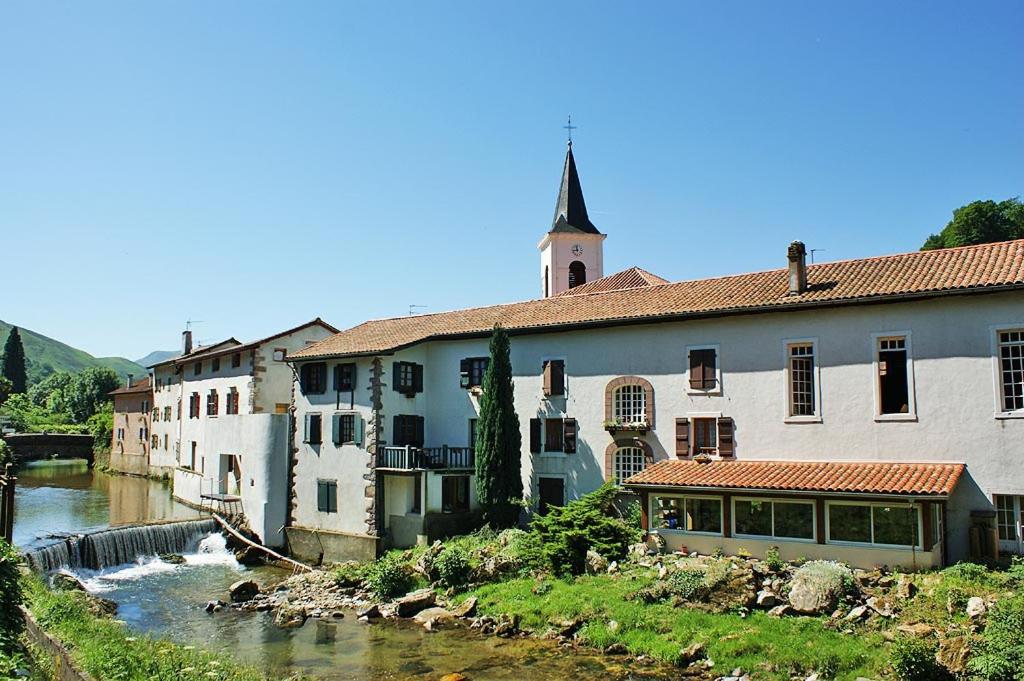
pixel 46 355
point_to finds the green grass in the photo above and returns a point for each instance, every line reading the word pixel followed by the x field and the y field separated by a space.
pixel 46 355
pixel 767 647
pixel 105 649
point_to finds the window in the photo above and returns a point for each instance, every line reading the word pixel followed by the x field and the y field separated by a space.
pixel 159 384
pixel 327 496
pixel 1006 517
pixel 686 513
pixel 893 370
pixel 236 360
pixel 156 413
pixel 881 524
pixel 212 403
pixel 178 408
pixel 313 430
pixel 120 433
pixel 703 368
pixel 167 413
pixel 279 354
pixel 193 406
pixel 408 378
pixel 215 362
pixel 197 368
pixel 454 493
pixel 705 436
pixel 155 444
pixel 232 401
pixel 313 378
pixel 552 435
pixel 629 404
pixel 165 440
pixel 192 463
pixel 344 377
pixel 408 430
pixel 346 429
pixel 628 461
pixel 577 274
pixel 770 518
pixel 554 377
pixel 472 370
pixel 145 406
pixel 1011 369
pixel 801 379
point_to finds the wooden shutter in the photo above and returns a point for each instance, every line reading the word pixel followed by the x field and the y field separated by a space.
pixel 682 438
pixel 396 431
pixel 336 428
pixel 547 377
pixel 337 378
pixel 725 437
pixel 418 422
pixel 557 377
pixel 357 429
pixel 710 374
pixel 464 366
pixel 535 425
pixel 305 428
pixel 350 371
pixel 569 436
pixel 417 378
pixel 321 496
pixel 696 369
pixel 396 373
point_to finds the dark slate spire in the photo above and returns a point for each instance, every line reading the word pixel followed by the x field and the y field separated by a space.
pixel 570 209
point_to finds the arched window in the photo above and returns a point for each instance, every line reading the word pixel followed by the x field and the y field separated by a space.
pixel 577 274
pixel 629 404
pixel 627 461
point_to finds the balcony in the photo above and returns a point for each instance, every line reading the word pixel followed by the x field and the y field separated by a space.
pixel 443 458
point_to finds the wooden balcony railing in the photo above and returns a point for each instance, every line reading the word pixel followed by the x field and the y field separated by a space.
pixel 409 458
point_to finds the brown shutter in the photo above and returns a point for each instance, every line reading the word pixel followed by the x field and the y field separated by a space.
pixel 557 377
pixel 396 429
pixel 419 431
pixel 710 362
pixel 569 436
pixel 417 378
pixel 696 369
pixel 682 438
pixel 396 372
pixel 535 435
pixel 725 442
pixel 547 377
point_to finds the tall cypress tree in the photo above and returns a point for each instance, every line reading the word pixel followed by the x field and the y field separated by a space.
pixel 14 362
pixel 499 482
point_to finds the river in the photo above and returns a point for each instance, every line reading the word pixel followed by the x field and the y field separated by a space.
pixel 154 597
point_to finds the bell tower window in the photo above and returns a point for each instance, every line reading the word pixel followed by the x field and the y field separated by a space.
pixel 577 274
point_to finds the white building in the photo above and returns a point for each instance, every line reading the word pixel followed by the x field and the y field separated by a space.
pixel 866 410
pixel 221 424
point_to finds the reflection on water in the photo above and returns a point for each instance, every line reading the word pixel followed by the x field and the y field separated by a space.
pixel 66 496
pixel 169 600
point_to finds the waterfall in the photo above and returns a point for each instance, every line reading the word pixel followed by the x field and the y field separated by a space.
pixel 120 545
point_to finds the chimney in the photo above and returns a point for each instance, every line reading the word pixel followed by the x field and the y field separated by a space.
pixel 797 255
pixel 186 342
pixel 130 377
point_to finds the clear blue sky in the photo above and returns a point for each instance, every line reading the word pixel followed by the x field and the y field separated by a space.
pixel 256 165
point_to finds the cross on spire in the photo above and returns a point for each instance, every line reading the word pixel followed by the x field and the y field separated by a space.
pixel 570 127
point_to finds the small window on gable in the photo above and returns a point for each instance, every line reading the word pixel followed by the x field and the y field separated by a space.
pixel 703 367
pixel 236 360
pixel 280 354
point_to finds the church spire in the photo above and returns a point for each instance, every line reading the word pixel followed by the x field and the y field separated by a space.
pixel 571 209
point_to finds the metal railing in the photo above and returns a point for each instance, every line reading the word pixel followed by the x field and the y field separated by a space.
pixel 410 458
pixel 7 484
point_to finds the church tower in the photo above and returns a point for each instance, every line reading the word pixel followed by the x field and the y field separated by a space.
pixel 571 252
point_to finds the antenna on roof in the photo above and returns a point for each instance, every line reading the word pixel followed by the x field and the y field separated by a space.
pixel 813 251
pixel 412 308
pixel 190 322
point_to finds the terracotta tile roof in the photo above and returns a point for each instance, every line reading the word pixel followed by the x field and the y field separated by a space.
pixel 806 476
pixel 233 345
pixel 881 279
pixel 634 277
pixel 141 386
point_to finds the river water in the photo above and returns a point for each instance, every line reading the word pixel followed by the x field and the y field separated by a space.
pixel 167 600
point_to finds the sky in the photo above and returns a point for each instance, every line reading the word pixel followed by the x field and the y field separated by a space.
pixel 254 165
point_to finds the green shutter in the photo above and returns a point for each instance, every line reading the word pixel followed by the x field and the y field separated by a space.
pixel 357 429
pixel 305 428
pixel 336 428
pixel 321 496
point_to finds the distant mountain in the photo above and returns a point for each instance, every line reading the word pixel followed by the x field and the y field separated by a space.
pixel 156 356
pixel 45 356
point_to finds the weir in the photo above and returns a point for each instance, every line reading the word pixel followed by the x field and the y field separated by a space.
pixel 120 545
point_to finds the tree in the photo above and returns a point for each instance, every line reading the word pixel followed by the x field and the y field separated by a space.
pixel 88 391
pixel 5 389
pixel 13 368
pixel 499 483
pixel 980 222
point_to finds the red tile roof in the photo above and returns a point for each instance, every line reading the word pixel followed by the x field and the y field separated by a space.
pixel 233 345
pixel 634 277
pixel 805 476
pixel 989 267
pixel 140 386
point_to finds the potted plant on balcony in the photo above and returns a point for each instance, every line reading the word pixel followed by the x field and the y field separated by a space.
pixel 621 426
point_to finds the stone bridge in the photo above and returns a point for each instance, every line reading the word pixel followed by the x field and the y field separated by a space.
pixel 36 446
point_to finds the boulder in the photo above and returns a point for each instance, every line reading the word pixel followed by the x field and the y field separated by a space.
pixel 905 588
pixel 414 601
pixel 466 608
pixel 173 558
pixel 691 653
pixel 881 605
pixel 370 612
pixel 596 563
pixel 920 629
pixel 616 649
pixel 953 653
pixel 613 567
pixel 857 614
pixel 976 607
pixel 766 599
pixel 243 590
pixel 249 556
pixel 289 615
pixel 568 628
pixel 818 586
pixel 781 610
pixel 64 581
pixel 215 606
pixel 102 607
pixel 638 550
pixel 432 618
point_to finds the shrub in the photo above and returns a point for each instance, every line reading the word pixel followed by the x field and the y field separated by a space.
pixel 389 577
pixel 772 560
pixel 10 596
pixel 913 659
pixel 688 584
pixel 452 566
pixel 1016 569
pixel 1000 655
pixel 349 574
pixel 970 572
pixel 566 533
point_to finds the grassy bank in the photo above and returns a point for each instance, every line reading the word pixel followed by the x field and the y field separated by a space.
pixel 104 648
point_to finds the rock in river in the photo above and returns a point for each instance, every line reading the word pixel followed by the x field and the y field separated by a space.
pixel 243 590
pixel 414 601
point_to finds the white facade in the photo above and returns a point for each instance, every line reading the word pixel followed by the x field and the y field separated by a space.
pixel 953 413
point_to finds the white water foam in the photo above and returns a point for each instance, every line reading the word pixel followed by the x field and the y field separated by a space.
pixel 213 550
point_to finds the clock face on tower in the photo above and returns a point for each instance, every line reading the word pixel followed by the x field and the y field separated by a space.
pixel 577 250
